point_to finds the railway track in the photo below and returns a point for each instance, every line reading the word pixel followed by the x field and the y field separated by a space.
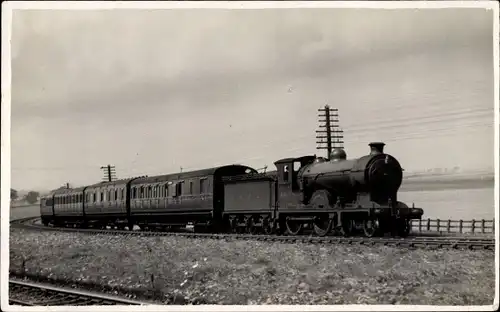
pixel 454 242
pixel 36 294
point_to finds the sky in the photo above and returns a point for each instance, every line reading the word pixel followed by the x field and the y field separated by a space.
pixel 150 91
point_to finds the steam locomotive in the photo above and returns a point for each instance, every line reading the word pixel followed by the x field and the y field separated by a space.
pixel 328 196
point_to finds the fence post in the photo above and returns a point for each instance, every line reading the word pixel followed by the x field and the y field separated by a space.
pixel 473 226
pixel 482 226
pixel 428 224
pixel 439 225
pixel 461 226
pixel 448 226
pixel 420 225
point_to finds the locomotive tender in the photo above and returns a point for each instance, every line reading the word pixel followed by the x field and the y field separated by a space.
pixel 335 195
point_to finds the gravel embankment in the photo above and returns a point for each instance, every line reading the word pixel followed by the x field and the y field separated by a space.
pixel 246 272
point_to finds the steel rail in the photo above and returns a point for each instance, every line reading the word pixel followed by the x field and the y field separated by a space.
pixel 453 242
pixel 38 294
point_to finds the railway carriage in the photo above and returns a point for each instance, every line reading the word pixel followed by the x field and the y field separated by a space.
pixel 68 206
pixel 106 203
pixel 176 200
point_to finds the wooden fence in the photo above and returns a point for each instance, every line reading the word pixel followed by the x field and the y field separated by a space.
pixel 453 226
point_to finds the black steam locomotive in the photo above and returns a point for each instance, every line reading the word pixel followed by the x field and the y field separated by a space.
pixel 336 195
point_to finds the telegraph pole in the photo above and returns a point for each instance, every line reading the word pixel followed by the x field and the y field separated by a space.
pixel 109 173
pixel 329 132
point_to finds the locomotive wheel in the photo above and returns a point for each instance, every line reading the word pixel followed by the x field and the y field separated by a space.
pixel 293 227
pixel 370 228
pixel 322 226
pixel 267 226
pixel 251 229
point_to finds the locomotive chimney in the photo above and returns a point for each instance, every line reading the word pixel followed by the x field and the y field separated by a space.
pixel 376 148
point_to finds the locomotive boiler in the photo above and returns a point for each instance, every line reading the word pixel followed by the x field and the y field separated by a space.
pixel 375 177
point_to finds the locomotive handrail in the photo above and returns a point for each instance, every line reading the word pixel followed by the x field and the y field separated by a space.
pixel 473 226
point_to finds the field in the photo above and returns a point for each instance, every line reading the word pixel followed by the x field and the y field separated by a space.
pixel 24 212
pixel 185 270
pixel 430 183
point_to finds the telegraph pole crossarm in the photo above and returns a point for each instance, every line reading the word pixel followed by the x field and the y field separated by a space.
pixel 109 173
pixel 329 130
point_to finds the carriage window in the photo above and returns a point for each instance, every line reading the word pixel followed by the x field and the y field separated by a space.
pixel 166 190
pixel 203 185
pixel 123 194
pixel 102 196
pixel 285 173
pixel 141 195
pixel 191 187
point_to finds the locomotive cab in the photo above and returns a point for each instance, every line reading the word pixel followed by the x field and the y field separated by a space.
pixel 288 170
pixel 287 175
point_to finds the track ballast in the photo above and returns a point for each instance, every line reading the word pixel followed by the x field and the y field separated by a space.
pixel 472 243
